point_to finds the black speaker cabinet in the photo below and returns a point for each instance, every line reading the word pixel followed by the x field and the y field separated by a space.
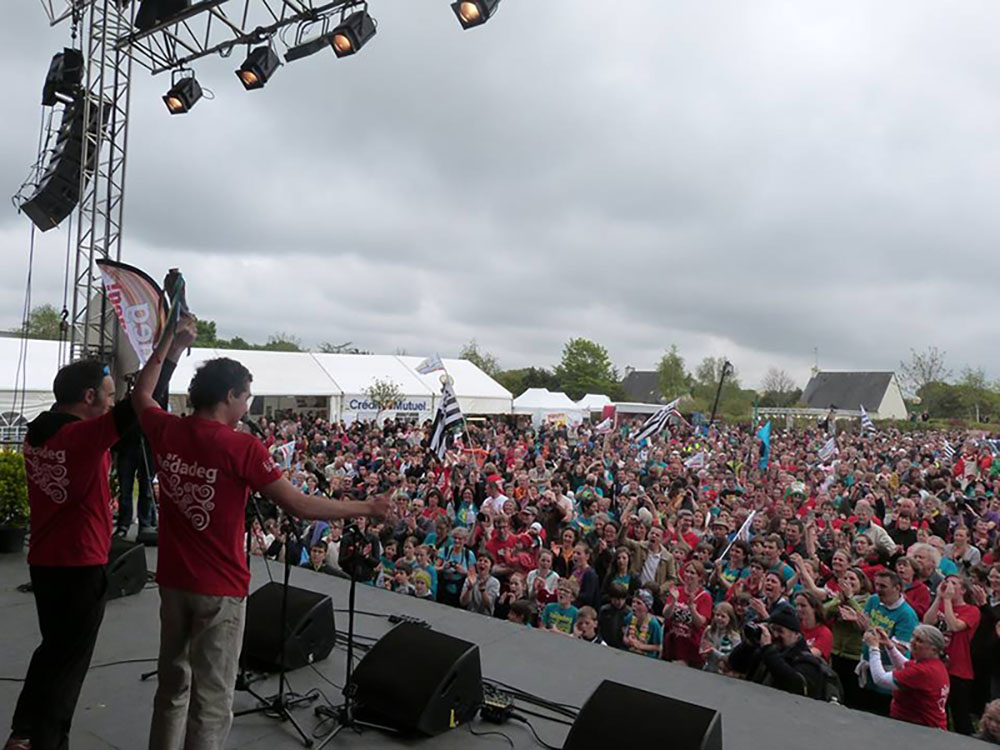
pixel 126 568
pixel 418 681
pixel 310 634
pixel 643 715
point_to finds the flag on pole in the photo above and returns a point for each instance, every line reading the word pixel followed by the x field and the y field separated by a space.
pixel 139 304
pixel 431 364
pixel 287 453
pixel 949 451
pixel 656 423
pixel 764 434
pixel 742 535
pixel 449 416
pixel 697 461
pixel 866 422
pixel 828 451
pixel 606 426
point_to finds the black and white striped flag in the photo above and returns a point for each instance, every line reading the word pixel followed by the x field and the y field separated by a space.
pixel 449 416
pixel 828 451
pixel 656 423
pixel 949 451
pixel 866 422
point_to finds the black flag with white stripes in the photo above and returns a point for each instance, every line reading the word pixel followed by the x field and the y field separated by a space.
pixel 658 422
pixel 448 416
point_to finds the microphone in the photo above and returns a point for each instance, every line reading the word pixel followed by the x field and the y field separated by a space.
pixel 252 426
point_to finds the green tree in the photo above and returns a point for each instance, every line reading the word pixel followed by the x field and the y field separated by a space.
pixel 941 400
pixel 586 368
pixel 923 368
pixel 346 348
pixel 282 342
pixel 44 322
pixel 674 379
pixel 207 334
pixel 518 381
pixel 733 402
pixel 779 389
pixel 385 394
pixel 481 359
pixel 977 396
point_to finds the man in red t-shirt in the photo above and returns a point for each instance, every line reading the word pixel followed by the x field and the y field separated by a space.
pixel 206 470
pixel 67 463
pixel 958 621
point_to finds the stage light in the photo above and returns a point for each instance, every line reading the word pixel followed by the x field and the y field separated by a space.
pixel 353 33
pixel 182 95
pixel 311 47
pixel 474 12
pixel 258 68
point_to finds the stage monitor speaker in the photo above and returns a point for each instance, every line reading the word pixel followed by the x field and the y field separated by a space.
pixel 418 681
pixel 309 636
pixel 126 568
pixel 614 708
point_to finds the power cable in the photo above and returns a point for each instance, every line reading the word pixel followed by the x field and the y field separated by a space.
pixel 539 740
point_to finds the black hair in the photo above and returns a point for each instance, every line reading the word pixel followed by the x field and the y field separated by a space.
pixel 75 379
pixel 214 380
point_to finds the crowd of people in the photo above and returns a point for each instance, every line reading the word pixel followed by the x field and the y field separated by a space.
pixel 871 578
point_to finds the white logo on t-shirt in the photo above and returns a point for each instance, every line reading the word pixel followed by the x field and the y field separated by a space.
pixel 47 471
pixel 193 499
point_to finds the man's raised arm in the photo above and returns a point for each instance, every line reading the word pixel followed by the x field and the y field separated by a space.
pixel 171 345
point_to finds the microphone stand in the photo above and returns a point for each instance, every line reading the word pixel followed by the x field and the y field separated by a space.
pixel 280 705
pixel 345 712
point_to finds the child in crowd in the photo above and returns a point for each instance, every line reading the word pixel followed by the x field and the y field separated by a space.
pixel 720 638
pixel 401 580
pixel 422 585
pixel 586 626
pixel 560 615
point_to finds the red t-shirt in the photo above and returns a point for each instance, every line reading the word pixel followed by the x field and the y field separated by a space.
pixel 69 495
pixel 499 550
pixel 960 643
pixel 819 638
pixel 918 596
pixel 206 470
pixel 922 694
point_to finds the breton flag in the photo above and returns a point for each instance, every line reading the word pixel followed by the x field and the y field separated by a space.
pixel 656 423
pixel 949 451
pixel 866 422
pixel 828 451
pixel 449 416
pixel 431 364
pixel 742 535
pixel 139 304
pixel 605 426
pixel 697 461
pixel 287 453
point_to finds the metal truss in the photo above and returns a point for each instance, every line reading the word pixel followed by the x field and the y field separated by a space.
pixel 99 228
pixel 206 28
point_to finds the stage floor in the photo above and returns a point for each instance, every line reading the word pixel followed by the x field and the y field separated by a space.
pixel 115 705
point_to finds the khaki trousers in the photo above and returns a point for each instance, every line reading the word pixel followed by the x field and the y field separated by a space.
pixel 200 641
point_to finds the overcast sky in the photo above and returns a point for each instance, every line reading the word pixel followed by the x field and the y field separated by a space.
pixel 747 179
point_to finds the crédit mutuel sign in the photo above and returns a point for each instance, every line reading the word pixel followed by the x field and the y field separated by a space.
pixel 362 404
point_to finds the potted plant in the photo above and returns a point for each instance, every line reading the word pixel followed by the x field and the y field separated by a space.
pixel 13 501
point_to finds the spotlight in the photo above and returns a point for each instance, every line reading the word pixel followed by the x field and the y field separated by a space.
pixel 353 33
pixel 474 12
pixel 310 47
pixel 154 12
pixel 258 68
pixel 182 95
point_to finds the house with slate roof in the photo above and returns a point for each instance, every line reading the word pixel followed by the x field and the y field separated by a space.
pixel 878 392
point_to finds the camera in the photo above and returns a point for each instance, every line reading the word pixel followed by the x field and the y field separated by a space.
pixel 751 633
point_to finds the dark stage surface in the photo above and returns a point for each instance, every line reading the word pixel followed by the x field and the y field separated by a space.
pixel 115 706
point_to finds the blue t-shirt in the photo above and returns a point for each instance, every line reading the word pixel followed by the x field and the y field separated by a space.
pixel 451 578
pixel 561 619
pixel 654 634
pixel 898 622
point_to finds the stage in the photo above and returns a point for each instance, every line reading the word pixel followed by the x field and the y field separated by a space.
pixel 115 705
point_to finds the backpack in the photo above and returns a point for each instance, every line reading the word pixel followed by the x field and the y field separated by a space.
pixel 830 689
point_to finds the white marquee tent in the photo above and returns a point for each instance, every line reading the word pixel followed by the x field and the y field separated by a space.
pixel 330 383
pixel 542 404
pixel 593 402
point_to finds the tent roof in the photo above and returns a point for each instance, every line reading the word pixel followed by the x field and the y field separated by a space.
pixel 470 381
pixel 593 401
pixel 40 366
pixel 543 398
pixel 354 373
